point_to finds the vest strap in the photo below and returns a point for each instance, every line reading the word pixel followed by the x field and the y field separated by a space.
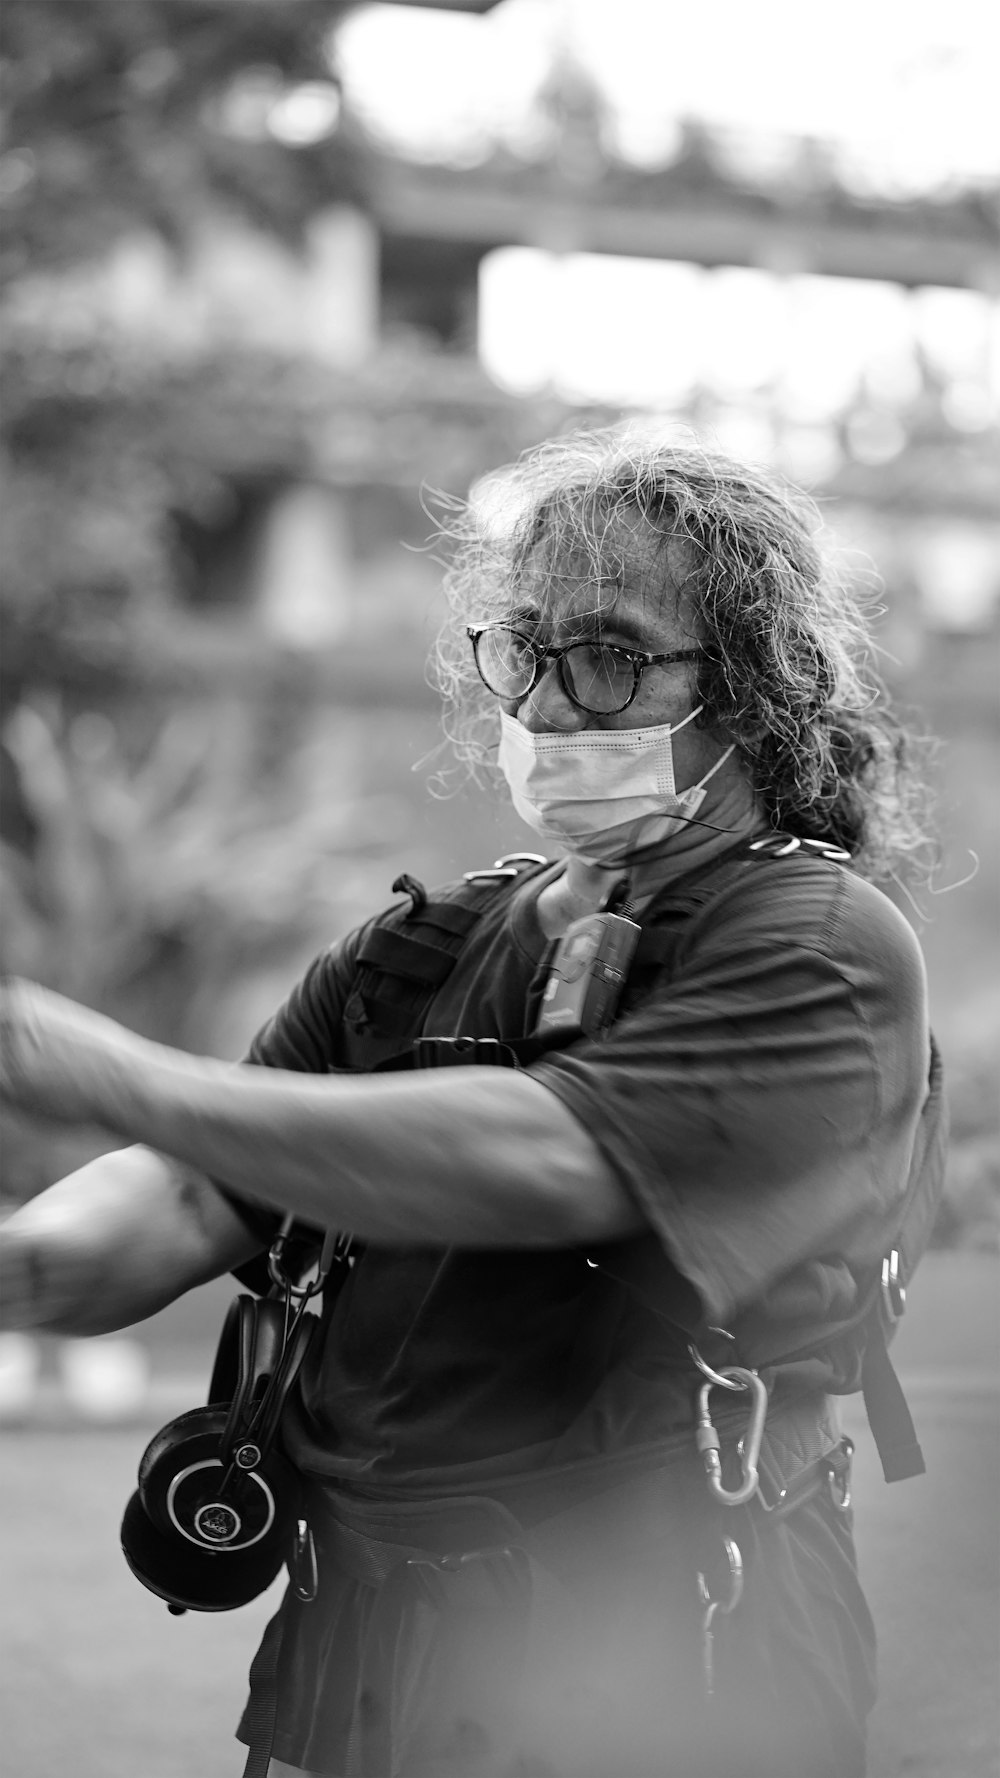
pixel 888 1412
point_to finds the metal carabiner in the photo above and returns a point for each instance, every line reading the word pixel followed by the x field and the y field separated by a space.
pixel 838 1475
pixel 711 1608
pixel 708 1442
pixel 335 1251
pixel 302 1565
pixel 734 1561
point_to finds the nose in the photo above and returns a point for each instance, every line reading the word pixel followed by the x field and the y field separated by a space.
pixel 547 707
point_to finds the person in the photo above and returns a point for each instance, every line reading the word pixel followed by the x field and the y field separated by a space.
pixel 571 1279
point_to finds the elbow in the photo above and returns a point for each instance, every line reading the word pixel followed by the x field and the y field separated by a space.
pixel 584 1201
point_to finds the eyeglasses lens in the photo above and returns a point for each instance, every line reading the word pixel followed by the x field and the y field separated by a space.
pixel 600 680
pixel 506 662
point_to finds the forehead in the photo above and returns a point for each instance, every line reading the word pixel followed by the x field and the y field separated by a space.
pixel 613 573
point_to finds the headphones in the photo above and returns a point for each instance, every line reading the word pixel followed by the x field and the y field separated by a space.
pixel 215 1513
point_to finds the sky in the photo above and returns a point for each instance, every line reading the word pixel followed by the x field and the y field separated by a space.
pixel 902 92
pixel 906 88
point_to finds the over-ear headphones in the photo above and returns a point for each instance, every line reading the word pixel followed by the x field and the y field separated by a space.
pixel 214 1515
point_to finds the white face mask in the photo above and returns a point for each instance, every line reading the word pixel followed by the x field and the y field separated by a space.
pixel 601 794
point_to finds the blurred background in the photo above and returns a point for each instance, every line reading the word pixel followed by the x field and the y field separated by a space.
pixel 275 273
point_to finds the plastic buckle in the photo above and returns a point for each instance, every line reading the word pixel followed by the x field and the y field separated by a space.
pixel 451 1052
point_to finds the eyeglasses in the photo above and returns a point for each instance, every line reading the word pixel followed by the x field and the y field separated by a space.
pixel 599 677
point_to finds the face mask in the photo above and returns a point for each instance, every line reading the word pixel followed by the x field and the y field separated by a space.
pixel 601 794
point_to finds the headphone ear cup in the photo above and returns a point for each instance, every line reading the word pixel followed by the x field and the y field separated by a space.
pixel 180 1473
pixel 208 1534
pixel 196 1579
pixel 193 1438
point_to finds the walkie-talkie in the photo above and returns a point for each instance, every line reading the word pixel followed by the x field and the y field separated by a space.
pixel 588 974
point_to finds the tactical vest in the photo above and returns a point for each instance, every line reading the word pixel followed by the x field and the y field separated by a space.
pixel 407 955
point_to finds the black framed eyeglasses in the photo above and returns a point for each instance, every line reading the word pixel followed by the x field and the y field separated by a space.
pixel 599 677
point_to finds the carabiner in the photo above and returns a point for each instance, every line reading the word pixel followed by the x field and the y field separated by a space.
pixel 335 1251
pixel 302 1565
pixel 708 1442
pixel 711 1608
pixel 838 1475
pixel 734 1561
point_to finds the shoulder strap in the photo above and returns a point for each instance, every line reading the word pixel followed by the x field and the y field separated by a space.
pixel 669 914
pixel 885 1404
pixel 666 919
pixel 881 1302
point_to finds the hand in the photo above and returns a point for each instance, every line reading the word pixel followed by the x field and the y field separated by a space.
pixel 56 1058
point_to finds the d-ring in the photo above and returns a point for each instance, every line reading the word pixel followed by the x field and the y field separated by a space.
pixel 706 1370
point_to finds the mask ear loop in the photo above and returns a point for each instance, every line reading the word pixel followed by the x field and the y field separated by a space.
pixel 710 773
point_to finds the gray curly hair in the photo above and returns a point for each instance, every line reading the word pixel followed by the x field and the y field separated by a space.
pixel 787 673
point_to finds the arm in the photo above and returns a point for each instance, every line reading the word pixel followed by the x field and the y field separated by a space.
pixel 114 1242
pixel 475 1156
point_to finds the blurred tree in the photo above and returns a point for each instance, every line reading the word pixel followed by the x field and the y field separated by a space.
pixel 131 469
pixel 136 114
pixel 147 881
pixel 109 448
pixel 155 875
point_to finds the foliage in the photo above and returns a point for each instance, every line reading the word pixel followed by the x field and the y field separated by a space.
pixel 147 880
pixel 106 448
pixel 150 880
pixel 114 122
pixel 126 465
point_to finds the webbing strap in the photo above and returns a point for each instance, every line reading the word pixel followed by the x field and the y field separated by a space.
pixel 888 1413
pixel 657 945
pixel 261 1712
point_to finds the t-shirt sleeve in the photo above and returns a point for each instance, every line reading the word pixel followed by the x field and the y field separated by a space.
pixel 761 1108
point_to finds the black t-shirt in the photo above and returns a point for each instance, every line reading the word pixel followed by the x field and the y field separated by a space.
pixel 759 1100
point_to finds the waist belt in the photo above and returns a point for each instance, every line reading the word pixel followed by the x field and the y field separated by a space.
pixel 612 1504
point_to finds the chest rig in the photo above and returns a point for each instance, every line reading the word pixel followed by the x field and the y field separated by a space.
pixel 408 955
pixel 405 959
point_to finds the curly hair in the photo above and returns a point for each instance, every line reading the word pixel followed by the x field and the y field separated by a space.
pixel 787 672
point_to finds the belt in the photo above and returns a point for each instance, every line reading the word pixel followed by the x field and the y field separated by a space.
pixel 608 1503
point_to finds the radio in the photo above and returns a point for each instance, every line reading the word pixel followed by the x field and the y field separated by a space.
pixel 588 974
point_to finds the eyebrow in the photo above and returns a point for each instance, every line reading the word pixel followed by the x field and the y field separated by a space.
pixel 622 626
pixel 589 628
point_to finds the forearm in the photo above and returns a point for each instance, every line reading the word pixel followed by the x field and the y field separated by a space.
pixel 114 1242
pixel 475 1156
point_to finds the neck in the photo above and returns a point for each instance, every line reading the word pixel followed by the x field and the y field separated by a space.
pixel 730 807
